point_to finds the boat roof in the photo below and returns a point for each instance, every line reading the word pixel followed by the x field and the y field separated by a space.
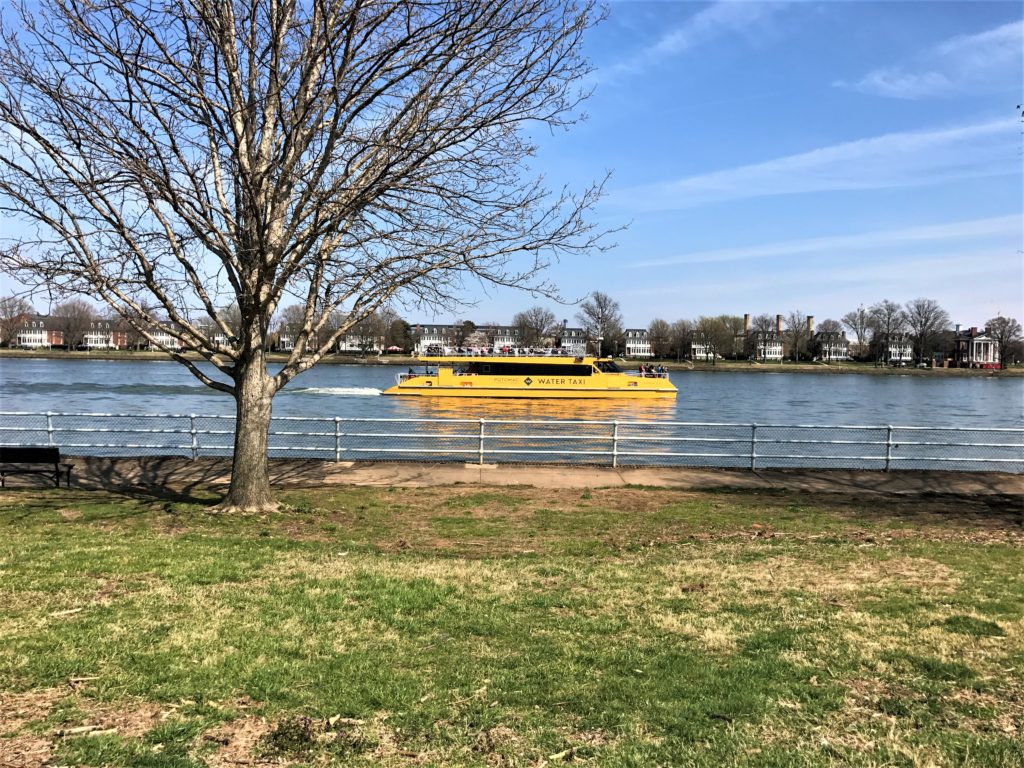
pixel 532 359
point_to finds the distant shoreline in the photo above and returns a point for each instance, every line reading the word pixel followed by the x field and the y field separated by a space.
pixel 401 360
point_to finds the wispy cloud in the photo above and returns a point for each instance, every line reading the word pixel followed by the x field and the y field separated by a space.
pixel 947 277
pixel 913 158
pixel 727 17
pixel 1008 227
pixel 960 63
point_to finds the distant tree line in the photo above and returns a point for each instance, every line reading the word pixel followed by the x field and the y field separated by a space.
pixel 922 322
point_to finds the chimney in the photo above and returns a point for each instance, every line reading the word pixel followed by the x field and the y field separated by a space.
pixel 958 329
pixel 778 324
pixel 746 324
pixel 974 331
pixel 810 325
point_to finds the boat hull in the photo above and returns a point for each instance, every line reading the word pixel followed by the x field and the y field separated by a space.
pixel 605 394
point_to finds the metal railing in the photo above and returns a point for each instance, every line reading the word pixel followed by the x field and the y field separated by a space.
pixel 614 443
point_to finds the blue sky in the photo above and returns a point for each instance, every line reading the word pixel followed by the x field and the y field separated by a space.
pixel 771 157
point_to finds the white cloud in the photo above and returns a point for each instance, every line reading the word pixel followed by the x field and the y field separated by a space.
pixel 1008 227
pixel 914 158
pixel 958 64
pixel 727 17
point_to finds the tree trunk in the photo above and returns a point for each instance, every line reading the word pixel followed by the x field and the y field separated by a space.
pixel 250 477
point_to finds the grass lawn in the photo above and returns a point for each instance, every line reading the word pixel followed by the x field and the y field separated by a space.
pixel 464 626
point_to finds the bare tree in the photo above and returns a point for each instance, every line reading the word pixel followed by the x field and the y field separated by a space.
pixel 762 328
pixel 13 311
pixel 734 325
pixel 888 325
pixel 1006 332
pixel 681 336
pixel 204 152
pixel 290 320
pixel 797 334
pixel 824 339
pixel 369 333
pixel 73 318
pixel 859 323
pixel 715 335
pixel 659 334
pixel 601 319
pixel 926 321
pixel 534 325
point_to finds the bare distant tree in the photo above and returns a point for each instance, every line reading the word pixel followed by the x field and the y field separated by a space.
pixel 762 328
pixel 659 334
pixel 290 320
pixel 13 310
pixel 133 339
pixel 859 323
pixel 734 325
pixel 1006 332
pixel 762 324
pixel 369 333
pixel 888 324
pixel 715 335
pixel 926 321
pixel 601 318
pixel 796 334
pixel 73 318
pixel 534 325
pixel 825 336
pixel 681 337
pixel 204 152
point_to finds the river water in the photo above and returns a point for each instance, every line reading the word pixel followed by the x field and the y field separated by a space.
pixel 165 387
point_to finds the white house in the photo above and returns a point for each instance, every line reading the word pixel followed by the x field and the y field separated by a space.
pixel 899 350
pixel 99 335
pixel 572 341
pixel 766 346
pixel 701 350
pixel 33 333
pixel 638 343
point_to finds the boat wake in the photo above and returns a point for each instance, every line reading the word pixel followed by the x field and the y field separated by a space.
pixel 337 391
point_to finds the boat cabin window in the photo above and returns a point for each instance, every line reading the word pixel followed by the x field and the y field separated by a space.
pixel 527 369
pixel 607 366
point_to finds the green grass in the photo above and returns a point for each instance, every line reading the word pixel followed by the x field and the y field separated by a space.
pixel 475 627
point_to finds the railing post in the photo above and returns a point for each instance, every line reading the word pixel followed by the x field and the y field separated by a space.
pixel 195 436
pixel 615 443
pixel 888 446
pixel 753 447
pixel 49 427
pixel 337 438
pixel 481 449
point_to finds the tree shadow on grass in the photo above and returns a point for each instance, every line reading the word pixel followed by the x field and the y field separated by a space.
pixel 173 479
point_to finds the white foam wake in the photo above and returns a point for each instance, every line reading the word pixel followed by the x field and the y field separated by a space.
pixel 340 391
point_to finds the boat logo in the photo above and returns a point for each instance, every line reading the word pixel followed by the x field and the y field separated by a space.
pixel 527 381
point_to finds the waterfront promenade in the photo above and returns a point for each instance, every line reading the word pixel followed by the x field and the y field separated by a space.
pixel 156 474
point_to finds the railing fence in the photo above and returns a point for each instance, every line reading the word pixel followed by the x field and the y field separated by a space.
pixel 615 443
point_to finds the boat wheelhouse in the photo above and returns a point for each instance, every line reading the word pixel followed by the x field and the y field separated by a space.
pixel 530 376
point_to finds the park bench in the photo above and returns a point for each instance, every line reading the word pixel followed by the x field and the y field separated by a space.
pixel 33 460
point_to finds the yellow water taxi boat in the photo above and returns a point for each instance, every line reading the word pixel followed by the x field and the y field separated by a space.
pixel 530 376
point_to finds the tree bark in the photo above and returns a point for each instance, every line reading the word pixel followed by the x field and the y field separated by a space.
pixel 250 476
